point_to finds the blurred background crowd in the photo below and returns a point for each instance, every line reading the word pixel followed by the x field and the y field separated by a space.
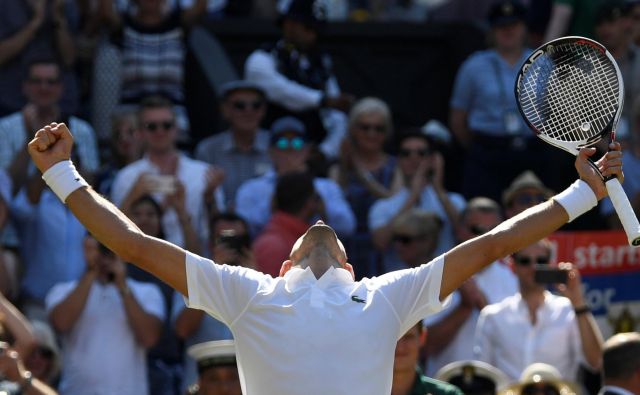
pixel 232 154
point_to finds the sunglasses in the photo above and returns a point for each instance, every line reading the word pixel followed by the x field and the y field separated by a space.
pixel 156 126
pixel 44 81
pixel 527 260
pixel 370 127
pixel 404 239
pixel 537 389
pixel 294 143
pixel 477 230
pixel 529 199
pixel 405 153
pixel 244 105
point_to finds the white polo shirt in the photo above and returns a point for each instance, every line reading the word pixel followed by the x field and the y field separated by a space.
pixel 302 335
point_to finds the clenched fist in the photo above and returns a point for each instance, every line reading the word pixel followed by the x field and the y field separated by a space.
pixel 50 145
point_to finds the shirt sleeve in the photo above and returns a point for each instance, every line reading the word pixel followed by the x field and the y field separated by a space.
pixel 414 293
pixel 150 299
pixel 222 291
pixel 462 95
pixel 57 294
pixel 261 69
pixel 339 213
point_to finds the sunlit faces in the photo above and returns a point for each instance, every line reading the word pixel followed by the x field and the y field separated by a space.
pixel 147 216
pixel 525 260
pixel 412 152
pixel 244 109
pixel 159 128
pixel 43 86
pixel 369 131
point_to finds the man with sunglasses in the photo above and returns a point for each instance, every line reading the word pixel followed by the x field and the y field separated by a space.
pixel 526 190
pixel 162 168
pixel 451 331
pixel 535 325
pixel 314 329
pixel 242 151
pixel 289 152
pixel 423 187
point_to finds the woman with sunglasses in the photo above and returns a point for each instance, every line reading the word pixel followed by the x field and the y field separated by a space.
pixel 535 325
pixel 365 172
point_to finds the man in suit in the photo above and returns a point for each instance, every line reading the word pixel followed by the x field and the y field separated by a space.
pixel 621 365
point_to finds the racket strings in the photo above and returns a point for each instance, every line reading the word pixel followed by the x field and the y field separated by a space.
pixel 570 94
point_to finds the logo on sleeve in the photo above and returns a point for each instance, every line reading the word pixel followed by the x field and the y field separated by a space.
pixel 356 299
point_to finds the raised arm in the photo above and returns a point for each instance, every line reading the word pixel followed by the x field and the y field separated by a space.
pixel 51 146
pixel 527 227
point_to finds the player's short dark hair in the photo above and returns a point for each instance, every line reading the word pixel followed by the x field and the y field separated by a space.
pixel 153 102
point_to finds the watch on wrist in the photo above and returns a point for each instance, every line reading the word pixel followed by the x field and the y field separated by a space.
pixel 27 378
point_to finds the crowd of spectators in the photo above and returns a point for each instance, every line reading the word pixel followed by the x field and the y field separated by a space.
pixel 294 148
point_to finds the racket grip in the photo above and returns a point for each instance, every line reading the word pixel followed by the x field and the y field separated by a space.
pixel 625 211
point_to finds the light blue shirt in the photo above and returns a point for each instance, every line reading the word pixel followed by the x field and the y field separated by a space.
pixel 50 243
pixel 485 98
pixel 253 203
pixel 383 211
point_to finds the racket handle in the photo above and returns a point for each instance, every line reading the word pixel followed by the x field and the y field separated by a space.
pixel 625 211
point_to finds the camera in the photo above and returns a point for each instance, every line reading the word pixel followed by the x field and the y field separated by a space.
pixel 234 241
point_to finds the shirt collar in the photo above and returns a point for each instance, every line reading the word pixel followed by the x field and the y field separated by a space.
pixel 297 278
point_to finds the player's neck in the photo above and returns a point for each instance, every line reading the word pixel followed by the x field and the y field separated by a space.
pixel 403 381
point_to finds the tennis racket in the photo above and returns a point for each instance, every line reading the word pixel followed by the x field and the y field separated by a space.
pixel 570 92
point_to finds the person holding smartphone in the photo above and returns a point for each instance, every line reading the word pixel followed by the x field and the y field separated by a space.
pixel 535 325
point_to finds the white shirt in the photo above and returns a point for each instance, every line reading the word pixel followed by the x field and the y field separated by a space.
pixel 298 335
pixel 496 282
pixel 506 339
pixel 100 353
pixel 191 173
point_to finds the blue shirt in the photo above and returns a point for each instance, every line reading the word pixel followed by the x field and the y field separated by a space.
pixel 253 203
pixel 484 89
pixel 50 243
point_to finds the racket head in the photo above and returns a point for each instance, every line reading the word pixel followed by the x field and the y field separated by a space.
pixel 570 92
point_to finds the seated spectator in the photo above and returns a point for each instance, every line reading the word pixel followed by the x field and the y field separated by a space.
pixel 423 171
pixel 621 364
pixel 217 368
pixel 536 326
pixel 34 29
pixel 125 147
pixel 541 379
pixel 295 203
pixel 451 331
pixel 162 169
pixel 365 172
pixel 45 361
pixel 473 377
pixel 104 303
pixel 152 41
pixel 289 152
pixel 526 190
pixel 194 326
pixel 407 375
pixel 415 237
pixel 43 87
pixel 242 151
pixel 298 76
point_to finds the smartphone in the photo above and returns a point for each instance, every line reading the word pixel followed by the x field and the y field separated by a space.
pixel 545 274
pixel 162 183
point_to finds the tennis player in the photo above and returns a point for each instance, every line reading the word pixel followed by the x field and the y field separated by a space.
pixel 313 330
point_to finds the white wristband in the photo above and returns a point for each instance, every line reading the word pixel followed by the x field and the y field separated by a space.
pixel 577 199
pixel 63 178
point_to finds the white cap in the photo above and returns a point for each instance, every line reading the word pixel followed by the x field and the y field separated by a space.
pixel 213 353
